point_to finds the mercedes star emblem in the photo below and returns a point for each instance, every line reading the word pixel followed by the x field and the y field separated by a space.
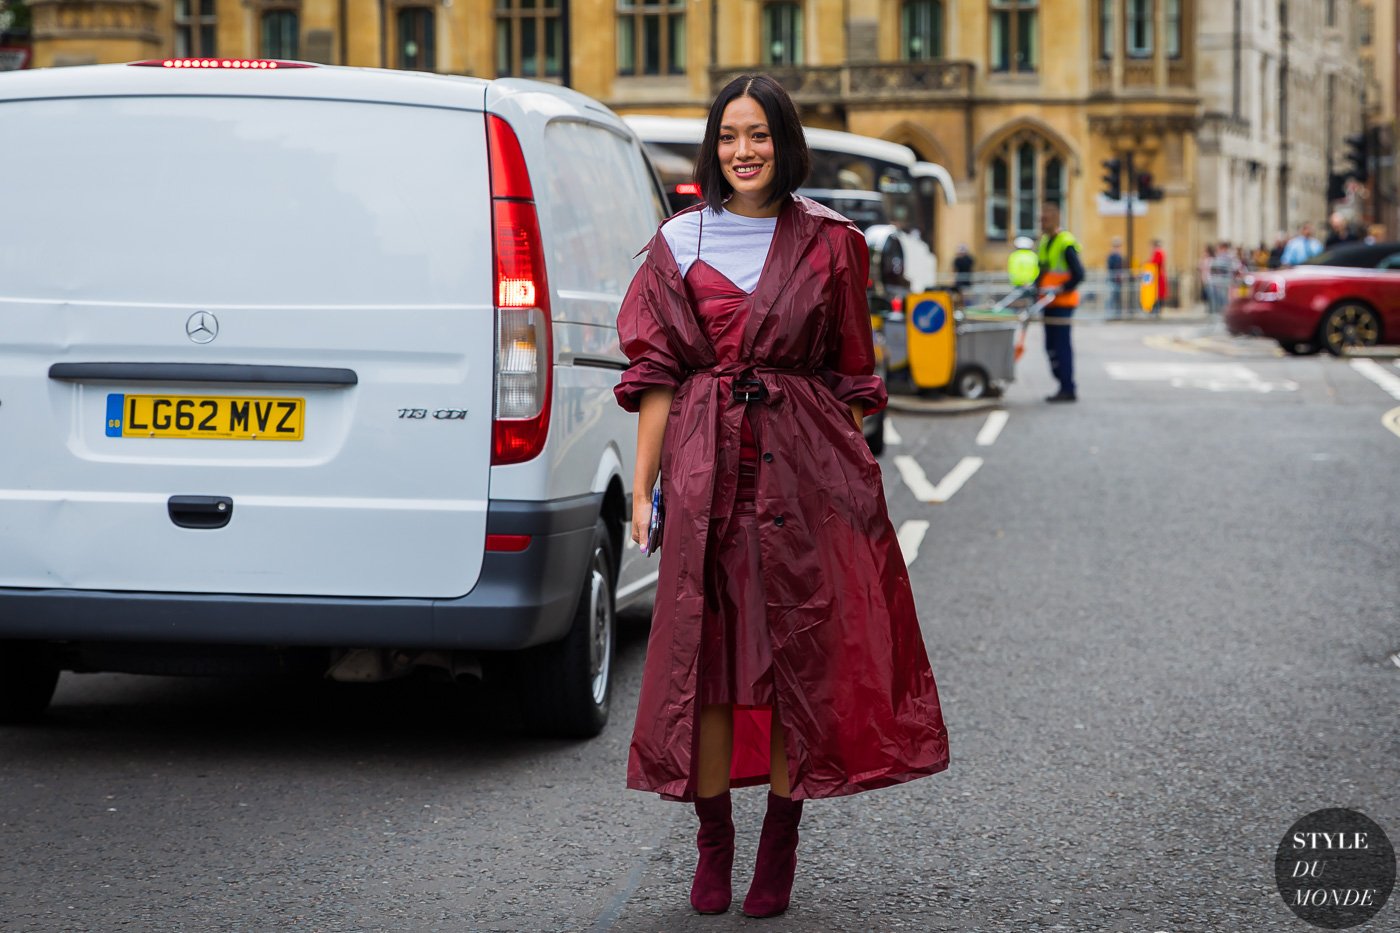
pixel 202 327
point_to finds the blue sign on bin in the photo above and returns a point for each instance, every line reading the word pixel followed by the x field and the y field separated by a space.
pixel 929 317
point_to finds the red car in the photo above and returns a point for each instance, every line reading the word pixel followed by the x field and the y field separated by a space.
pixel 1346 297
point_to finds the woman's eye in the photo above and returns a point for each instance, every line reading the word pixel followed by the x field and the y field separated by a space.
pixel 760 136
pixel 726 138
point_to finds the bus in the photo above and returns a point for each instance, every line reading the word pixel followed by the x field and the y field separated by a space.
pixel 874 182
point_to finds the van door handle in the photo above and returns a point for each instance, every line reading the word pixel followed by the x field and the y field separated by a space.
pixel 200 511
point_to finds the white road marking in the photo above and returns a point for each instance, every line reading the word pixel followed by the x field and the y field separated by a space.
pixel 1391 420
pixel 955 478
pixel 911 535
pixel 1215 377
pixel 891 435
pixel 914 477
pixel 992 429
pixel 917 481
pixel 1377 374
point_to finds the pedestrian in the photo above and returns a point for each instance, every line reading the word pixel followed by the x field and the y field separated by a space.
pixel 1301 248
pixel 1260 259
pixel 1275 260
pixel 1339 232
pixel 1116 268
pixel 1203 267
pixel 1061 271
pixel 1023 265
pixel 1158 262
pixel 784 648
pixel 1224 270
pixel 962 268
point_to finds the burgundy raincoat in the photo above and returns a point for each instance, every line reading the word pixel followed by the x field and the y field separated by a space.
pixel 850 673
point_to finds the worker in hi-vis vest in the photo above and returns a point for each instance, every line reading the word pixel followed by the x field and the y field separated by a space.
pixel 1023 266
pixel 1060 275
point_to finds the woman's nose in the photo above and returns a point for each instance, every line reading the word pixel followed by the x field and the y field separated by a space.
pixel 745 147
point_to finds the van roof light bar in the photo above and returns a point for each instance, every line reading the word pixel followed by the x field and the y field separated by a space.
pixel 232 64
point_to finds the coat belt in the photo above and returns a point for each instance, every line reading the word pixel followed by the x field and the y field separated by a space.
pixel 751 383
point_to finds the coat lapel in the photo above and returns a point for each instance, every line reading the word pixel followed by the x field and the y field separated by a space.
pixel 794 235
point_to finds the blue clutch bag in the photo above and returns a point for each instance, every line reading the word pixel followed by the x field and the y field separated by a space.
pixel 658 522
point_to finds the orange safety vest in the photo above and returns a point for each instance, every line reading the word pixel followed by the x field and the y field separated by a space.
pixel 1054 269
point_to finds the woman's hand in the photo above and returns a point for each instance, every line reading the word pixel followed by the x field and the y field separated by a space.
pixel 651 431
pixel 641 517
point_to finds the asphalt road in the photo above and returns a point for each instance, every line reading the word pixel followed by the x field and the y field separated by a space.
pixel 1161 621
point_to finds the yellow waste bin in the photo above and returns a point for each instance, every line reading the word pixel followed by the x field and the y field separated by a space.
pixel 932 337
pixel 1147 289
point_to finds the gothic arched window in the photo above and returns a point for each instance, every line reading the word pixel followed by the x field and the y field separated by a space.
pixel 1023 173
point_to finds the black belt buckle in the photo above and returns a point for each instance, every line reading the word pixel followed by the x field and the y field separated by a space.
pixel 749 389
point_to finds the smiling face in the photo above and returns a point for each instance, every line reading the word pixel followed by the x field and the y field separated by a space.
pixel 746 157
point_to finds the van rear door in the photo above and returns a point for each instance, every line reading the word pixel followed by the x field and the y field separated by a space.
pixel 282 306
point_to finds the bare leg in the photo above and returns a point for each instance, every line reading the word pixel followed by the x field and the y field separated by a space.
pixel 716 750
pixel 777 759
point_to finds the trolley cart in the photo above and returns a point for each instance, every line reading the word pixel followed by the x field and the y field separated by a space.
pixel 969 353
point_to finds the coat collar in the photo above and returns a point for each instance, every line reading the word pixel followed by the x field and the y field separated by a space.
pixel 801 219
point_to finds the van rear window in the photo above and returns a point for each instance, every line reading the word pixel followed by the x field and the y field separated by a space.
pixel 244 201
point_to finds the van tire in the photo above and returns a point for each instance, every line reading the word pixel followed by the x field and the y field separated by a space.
pixel 28 675
pixel 565 687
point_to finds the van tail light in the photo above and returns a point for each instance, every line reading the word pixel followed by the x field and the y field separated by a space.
pixel 688 187
pixel 1269 290
pixel 524 339
pixel 508 544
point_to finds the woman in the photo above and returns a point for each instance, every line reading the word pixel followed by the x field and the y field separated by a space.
pixel 784 647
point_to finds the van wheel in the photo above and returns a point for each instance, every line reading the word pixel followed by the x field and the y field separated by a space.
pixel 565 688
pixel 28 675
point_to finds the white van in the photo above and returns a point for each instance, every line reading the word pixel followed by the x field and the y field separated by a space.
pixel 302 364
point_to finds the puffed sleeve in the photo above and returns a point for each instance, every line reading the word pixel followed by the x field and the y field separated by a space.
pixel 652 360
pixel 850 366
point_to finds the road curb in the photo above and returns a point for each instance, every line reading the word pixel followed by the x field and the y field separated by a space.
pixel 909 405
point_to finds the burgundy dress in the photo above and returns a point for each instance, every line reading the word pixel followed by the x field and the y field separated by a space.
pixel 736 659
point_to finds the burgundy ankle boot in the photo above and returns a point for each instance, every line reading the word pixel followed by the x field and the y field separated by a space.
pixel 711 893
pixel 777 859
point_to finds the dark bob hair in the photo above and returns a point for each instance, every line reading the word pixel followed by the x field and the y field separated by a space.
pixel 792 163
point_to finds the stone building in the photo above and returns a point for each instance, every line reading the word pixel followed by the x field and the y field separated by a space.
pixel 1379 57
pixel 1021 99
pixel 1281 88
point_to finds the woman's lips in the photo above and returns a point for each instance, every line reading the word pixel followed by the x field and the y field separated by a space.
pixel 746 171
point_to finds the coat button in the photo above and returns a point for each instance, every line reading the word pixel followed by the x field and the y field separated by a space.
pixel 767 458
pixel 778 521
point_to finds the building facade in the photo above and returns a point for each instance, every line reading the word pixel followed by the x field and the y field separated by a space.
pixel 1282 88
pixel 1022 100
pixel 1379 56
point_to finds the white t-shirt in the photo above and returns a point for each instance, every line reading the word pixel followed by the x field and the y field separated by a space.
pixel 734 245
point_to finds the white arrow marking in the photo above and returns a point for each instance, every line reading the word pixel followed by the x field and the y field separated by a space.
pixel 911 535
pixel 915 478
pixel 992 429
pixel 956 477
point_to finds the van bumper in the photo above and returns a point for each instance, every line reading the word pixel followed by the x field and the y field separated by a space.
pixel 521 599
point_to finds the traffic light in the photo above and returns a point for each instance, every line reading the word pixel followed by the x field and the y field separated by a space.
pixel 1113 179
pixel 1146 191
pixel 1358 165
pixel 1336 186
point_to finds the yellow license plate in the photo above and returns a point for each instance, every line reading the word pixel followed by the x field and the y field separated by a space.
pixel 218 417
